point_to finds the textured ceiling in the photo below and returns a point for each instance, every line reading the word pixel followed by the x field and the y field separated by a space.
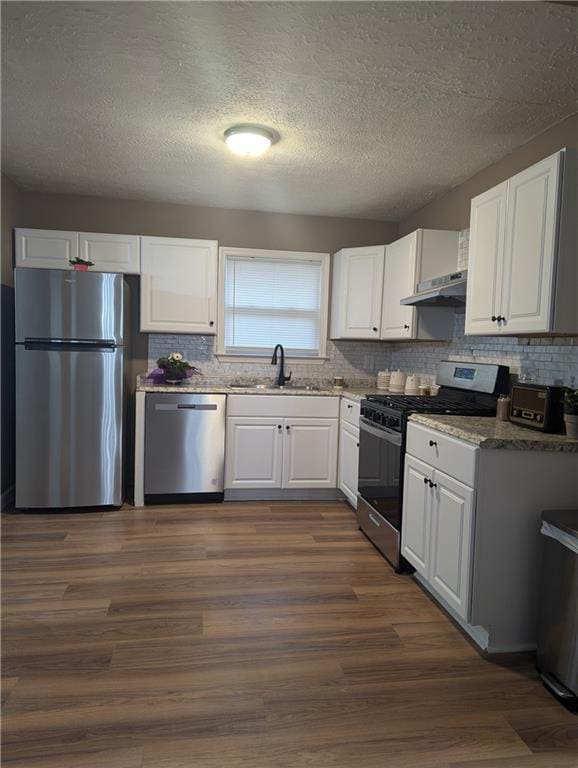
pixel 380 106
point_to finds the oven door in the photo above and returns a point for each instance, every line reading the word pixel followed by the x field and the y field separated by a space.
pixel 380 451
pixel 379 503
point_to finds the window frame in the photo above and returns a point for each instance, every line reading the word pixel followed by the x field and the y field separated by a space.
pixel 322 258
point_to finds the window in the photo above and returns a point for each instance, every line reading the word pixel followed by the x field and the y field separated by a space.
pixel 273 297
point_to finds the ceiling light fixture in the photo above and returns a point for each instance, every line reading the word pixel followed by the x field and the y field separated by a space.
pixel 249 140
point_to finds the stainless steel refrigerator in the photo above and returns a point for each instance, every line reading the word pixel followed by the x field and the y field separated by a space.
pixel 69 388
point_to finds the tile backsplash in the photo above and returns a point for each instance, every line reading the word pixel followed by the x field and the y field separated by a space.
pixel 547 360
pixel 356 361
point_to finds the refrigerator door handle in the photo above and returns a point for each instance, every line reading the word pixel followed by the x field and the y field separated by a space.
pixel 69 344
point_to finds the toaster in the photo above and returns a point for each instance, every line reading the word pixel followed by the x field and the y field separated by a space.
pixel 538 407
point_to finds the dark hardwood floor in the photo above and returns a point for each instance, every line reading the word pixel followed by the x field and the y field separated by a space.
pixel 247 636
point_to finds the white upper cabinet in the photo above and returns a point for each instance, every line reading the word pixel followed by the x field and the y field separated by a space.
pixel 522 275
pixel 421 255
pixel 531 248
pixel 357 293
pixel 54 249
pixel 178 285
pixel 110 253
pixel 397 321
pixel 45 248
pixel 484 288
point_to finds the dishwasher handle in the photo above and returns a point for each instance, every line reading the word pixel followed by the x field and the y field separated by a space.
pixel 186 407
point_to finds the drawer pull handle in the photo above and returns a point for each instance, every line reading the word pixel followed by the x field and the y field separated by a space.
pixel 432 443
pixel 374 520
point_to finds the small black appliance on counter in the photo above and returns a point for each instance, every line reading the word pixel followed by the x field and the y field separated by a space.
pixel 538 407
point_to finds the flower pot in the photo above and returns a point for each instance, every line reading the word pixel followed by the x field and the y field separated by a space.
pixel 571 422
pixel 80 267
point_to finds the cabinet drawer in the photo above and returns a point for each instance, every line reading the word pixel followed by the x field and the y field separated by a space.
pixel 349 411
pixel 454 457
pixel 281 406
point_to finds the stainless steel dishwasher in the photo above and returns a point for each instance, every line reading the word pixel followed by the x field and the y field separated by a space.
pixel 184 447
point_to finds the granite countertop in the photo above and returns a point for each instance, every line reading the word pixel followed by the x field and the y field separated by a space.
pixel 196 385
pixel 487 432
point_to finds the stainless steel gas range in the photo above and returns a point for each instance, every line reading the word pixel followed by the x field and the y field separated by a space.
pixel 467 389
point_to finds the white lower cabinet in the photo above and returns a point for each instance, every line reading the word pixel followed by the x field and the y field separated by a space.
pixel 281 451
pixel 437 531
pixel 416 519
pixel 254 452
pixel 475 541
pixel 451 529
pixel 310 453
pixel 348 464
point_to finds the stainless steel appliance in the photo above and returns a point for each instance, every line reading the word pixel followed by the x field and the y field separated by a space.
pixel 557 652
pixel 538 407
pixel 445 291
pixel 184 447
pixel 467 389
pixel 69 388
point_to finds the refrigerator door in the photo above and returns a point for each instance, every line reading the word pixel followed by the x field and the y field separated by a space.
pixel 64 304
pixel 68 426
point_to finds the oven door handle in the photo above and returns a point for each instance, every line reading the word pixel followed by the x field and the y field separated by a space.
pixel 382 433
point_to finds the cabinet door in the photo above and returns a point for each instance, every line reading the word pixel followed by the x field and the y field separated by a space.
pixel 348 464
pixel 110 253
pixel 253 452
pixel 416 522
pixel 361 292
pixel 397 321
pixel 51 249
pixel 178 285
pixel 451 541
pixel 530 251
pixel 310 453
pixel 485 264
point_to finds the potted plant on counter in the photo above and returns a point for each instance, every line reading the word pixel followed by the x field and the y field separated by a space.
pixel 571 413
pixel 81 265
pixel 175 369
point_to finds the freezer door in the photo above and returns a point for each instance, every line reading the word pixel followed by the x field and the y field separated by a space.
pixel 64 304
pixel 68 426
pixel 184 443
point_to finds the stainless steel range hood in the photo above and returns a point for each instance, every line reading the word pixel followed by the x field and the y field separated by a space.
pixel 445 291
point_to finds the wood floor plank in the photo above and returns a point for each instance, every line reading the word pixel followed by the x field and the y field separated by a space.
pixel 247 635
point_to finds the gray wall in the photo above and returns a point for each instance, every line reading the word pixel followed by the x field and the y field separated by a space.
pixel 452 210
pixel 12 210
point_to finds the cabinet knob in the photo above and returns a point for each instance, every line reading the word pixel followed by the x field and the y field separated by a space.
pixel 406 327
pixel 426 481
pixel 357 444
pixel 287 427
pixel 375 330
pixel 494 318
pixel 432 485
pixel 350 407
pixel 279 426
pixel 432 443
pixel 500 318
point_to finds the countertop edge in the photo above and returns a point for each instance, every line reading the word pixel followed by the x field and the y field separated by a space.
pixel 518 439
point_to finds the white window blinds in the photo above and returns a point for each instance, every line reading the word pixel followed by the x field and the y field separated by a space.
pixel 273 300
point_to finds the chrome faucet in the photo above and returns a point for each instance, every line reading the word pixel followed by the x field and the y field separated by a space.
pixel 281 379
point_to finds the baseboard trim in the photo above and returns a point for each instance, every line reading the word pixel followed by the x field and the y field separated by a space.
pixel 283 494
pixel 8 498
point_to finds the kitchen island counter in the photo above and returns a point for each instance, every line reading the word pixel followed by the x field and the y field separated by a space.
pixel 489 433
